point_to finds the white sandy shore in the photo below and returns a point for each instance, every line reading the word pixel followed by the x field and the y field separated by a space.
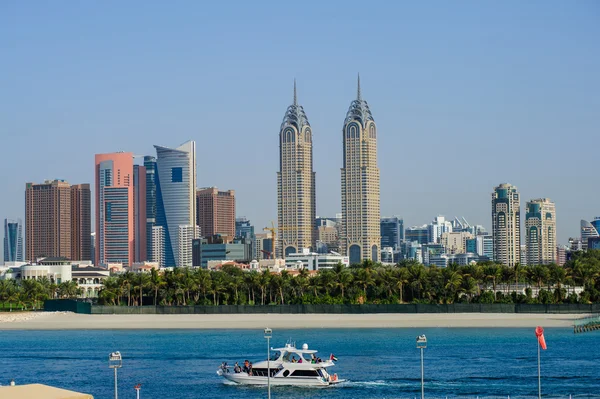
pixel 71 321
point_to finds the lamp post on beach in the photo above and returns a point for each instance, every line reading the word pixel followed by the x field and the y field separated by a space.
pixel 268 335
pixel 422 344
pixel 115 361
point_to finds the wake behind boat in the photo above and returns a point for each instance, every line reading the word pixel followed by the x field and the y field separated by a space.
pixel 288 366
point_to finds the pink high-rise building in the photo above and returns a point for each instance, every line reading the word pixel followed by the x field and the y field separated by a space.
pixel 115 231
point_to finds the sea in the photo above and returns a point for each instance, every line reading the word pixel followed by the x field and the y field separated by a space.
pixel 378 363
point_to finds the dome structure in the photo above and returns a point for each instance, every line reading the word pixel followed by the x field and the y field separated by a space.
pixel 295 115
pixel 359 110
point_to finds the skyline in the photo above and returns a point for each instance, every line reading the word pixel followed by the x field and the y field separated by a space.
pixel 450 83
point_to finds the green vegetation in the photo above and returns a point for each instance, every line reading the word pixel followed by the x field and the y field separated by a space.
pixel 30 294
pixel 407 282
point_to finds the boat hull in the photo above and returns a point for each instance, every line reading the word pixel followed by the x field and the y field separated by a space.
pixel 245 379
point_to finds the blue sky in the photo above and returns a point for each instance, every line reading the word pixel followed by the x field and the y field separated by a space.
pixel 465 94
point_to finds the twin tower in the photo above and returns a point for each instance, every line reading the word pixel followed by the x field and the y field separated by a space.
pixel 360 235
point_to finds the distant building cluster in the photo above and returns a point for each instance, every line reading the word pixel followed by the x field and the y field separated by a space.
pixel 149 212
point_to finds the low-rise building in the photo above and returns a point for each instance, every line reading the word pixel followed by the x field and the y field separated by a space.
pixel 89 279
pixel 315 261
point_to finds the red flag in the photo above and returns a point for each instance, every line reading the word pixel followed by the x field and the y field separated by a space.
pixel 539 333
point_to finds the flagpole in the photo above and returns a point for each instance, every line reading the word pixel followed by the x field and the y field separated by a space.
pixel 539 374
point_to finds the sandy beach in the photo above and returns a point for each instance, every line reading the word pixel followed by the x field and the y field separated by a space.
pixel 72 321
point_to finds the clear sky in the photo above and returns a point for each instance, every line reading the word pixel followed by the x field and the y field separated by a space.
pixel 466 95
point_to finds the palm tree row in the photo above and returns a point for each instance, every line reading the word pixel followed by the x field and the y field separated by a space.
pixel 30 293
pixel 406 282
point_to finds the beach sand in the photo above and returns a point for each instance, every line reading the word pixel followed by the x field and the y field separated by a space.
pixel 72 321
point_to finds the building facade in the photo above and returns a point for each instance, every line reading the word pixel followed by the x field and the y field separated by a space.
pixel 263 247
pixel 296 201
pixel 215 211
pixel 392 232
pixel 420 234
pixel 456 242
pixel 438 227
pixel 540 232
pixel 13 240
pixel 360 234
pixel 81 222
pixel 115 238
pixel 150 165
pixel 175 194
pixel 139 213
pixel 158 245
pixel 243 228
pixel 57 220
pixel 588 230
pixel 506 224
pixel 184 253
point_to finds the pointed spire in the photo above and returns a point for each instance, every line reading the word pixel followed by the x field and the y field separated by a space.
pixel 358 96
pixel 295 96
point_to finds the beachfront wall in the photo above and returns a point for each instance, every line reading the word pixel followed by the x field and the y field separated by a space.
pixel 67 305
pixel 351 309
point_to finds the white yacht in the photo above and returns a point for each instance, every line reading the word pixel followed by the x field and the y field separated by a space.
pixel 288 366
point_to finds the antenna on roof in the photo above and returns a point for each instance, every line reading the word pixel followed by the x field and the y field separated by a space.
pixel 295 96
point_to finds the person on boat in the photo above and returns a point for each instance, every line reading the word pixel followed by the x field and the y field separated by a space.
pixel 313 358
pixel 293 359
pixel 237 368
pixel 300 360
pixel 246 369
pixel 250 368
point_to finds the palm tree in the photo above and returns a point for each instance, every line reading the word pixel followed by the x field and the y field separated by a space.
pixel 364 278
pixel 143 281
pixel 453 281
pixel 401 277
pixel 416 278
pixel 342 277
pixel 155 282
pixel 263 283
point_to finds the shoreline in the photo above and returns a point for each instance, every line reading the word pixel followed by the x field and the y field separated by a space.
pixel 73 321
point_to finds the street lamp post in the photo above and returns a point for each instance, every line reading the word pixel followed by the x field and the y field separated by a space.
pixel 422 344
pixel 268 335
pixel 115 361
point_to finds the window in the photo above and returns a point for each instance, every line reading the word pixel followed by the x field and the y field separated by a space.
pixel 176 175
pixel 305 373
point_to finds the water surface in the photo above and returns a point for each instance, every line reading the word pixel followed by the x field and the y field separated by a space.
pixel 380 363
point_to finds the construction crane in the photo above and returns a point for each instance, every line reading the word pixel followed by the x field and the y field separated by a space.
pixel 273 231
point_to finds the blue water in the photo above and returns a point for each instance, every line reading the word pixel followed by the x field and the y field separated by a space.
pixel 380 363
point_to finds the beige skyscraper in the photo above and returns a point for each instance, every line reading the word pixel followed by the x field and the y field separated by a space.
pixel 506 224
pixel 296 208
pixel 540 232
pixel 360 234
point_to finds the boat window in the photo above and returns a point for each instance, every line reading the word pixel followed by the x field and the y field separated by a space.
pixel 275 356
pixel 305 373
pixel 286 373
pixel 263 372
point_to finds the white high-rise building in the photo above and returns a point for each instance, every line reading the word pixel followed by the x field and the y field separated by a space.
pixel 506 224
pixel 175 194
pixel 361 215
pixel 184 242
pixel 158 245
pixel 438 227
pixel 540 232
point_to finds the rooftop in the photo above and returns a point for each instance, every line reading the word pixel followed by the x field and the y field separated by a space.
pixel 40 391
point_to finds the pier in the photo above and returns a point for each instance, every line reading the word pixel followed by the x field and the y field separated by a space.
pixel 587 324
